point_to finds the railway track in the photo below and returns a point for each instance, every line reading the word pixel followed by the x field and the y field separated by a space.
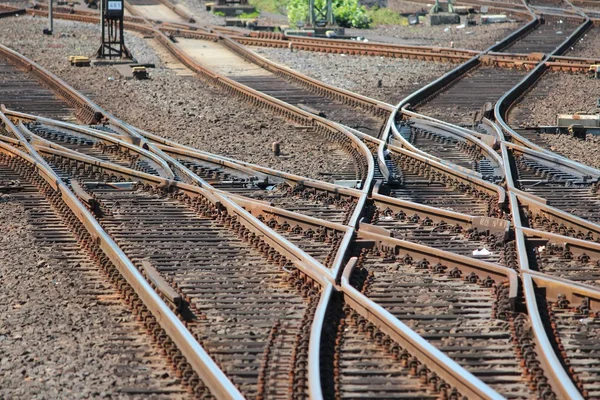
pixel 402 281
pixel 59 229
pixel 464 150
pixel 285 191
pixel 21 92
pixel 545 37
pixel 418 180
pixel 255 340
pixel 569 315
pixel 548 3
pixel 355 365
pixel 227 62
pixel 568 189
pixel 463 98
pixel 247 336
pixel 158 10
pixel 139 367
pixel 479 238
pixel 200 249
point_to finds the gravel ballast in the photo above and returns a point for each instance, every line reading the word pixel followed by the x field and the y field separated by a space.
pixel 478 37
pixel 381 78
pixel 585 151
pixel 588 45
pixel 556 93
pixel 181 108
pixel 58 339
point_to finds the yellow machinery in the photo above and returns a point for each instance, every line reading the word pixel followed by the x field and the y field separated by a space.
pixel 79 61
pixel 140 72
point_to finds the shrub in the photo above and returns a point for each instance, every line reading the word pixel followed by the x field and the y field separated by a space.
pixel 249 15
pixel 385 16
pixel 274 6
pixel 347 13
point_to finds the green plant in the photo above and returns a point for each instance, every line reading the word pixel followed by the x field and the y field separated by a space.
pixel 297 11
pixel 347 13
pixel 253 15
pixel 273 6
pixel 219 13
pixel 385 16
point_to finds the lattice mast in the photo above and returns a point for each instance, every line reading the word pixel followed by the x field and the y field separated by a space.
pixel 113 39
pixel 320 16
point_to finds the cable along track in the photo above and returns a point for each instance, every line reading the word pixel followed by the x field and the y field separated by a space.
pixel 254 325
pixel 141 369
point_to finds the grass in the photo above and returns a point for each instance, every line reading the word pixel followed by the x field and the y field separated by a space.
pixel 272 6
pixel 219 13
pixel 385 16
pixel 249 15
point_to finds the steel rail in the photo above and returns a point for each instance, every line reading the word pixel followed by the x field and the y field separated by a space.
pixel 307 264
pixel 128 143
pixel 503 105
pixel 311 332
pixel 551 157
pixel 88 111
pixel 559 287
pixel 313 357
pixel 378 108
pixel 440 215
pixel 438 362
pixel 449 131
pixel 202 364
pixel 560 380
pixel 457 174
pixel 323 126
pixel 576 246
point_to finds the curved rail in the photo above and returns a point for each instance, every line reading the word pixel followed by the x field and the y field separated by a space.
pixel 202 364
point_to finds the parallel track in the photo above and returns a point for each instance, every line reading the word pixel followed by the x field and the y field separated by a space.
pixel 252 308
pixel 452 314
pixel 57 229
pixel 459 101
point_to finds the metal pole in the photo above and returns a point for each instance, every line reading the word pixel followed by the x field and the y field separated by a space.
pixel 50 16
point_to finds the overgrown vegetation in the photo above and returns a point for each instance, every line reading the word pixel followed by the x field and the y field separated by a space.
pixel 249 15
pixel 385 16
pixel 273 6
pixel 347 13
pixel 219 13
